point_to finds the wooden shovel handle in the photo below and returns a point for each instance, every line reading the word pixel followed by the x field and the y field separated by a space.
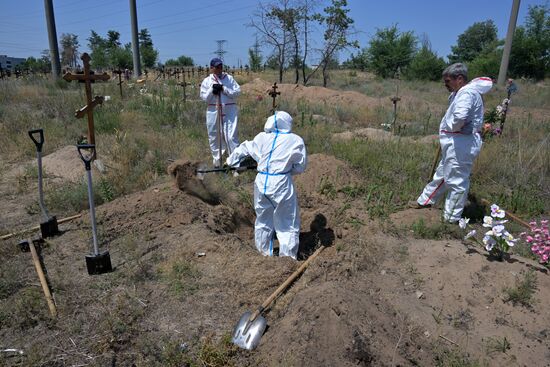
pixel 516 219
pixel 45 288
pixel 287 282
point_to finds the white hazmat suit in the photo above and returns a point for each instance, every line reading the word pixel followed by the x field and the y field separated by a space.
pixel 460 139
pixel 279 154
pixel 224 103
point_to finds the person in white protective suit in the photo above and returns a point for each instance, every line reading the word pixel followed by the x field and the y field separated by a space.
pixel 460 140
pixel 219 90
pixel 280 154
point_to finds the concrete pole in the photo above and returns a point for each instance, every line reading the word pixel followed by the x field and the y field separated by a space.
pixel 508 43
pixel 52 36
pixel 135 41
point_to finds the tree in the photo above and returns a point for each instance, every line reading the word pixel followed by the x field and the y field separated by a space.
pixel 338 28
pixel 180 61
pixel 148 53
pixel 530 56
pixel 269 23
pixel 389 49
pixel 98 51
pixel 121 57
pixel 69 50
pixel 255 57
pixel 473 41
pixel 425 65
pixel 43 64
pixel 359 61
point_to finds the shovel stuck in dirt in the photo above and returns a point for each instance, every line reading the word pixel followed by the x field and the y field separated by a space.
pixel 96 263
pixel 251 326
pixel 49 225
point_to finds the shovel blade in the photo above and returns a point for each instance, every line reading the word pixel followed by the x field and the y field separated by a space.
pixel 247 334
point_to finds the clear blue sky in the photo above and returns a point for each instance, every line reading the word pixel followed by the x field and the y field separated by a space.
pixel 191 28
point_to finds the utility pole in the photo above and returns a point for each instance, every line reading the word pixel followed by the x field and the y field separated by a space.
pixel 220 52
pixel 508 43
pixel 135 41
pixel 52 36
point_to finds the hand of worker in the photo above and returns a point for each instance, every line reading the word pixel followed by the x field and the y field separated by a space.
pixel 217 88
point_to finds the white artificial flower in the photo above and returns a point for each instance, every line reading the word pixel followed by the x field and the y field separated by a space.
pixel 487 221
pixel 489 242
pixel 498 230
pixel 496 212
pixel 470 234
pixel 463 222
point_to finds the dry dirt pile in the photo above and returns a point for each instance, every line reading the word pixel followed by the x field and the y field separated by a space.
pixel 259 87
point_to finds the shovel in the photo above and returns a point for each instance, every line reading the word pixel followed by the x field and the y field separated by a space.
pixel 96 263
pixel 48 226
pixel 201 171
pixel 251 326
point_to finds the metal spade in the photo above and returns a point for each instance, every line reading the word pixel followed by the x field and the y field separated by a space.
pixel 49 225
pixel 250 328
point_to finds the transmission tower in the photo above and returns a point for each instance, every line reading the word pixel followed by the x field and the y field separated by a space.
pixel 220 52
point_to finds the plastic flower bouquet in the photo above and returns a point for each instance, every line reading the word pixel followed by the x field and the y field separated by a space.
pixel 539 239
pixel 497 240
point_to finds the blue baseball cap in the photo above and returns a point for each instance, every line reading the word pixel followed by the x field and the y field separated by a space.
pixel 216 61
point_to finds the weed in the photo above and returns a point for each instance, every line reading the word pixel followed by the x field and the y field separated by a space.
pixel 523 291
pixel 106 190
pixel 497 345
pixel 73 196
pixel 327 188
pixel 182 277
pixel 435 231
pixel 217 355
pixel 455 358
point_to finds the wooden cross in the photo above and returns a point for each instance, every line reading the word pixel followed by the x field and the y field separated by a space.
pixel 184 84
pixel 273 93
pixel 120 81
pixel 88 78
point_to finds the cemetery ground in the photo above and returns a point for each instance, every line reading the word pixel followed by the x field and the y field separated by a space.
pixel 393 286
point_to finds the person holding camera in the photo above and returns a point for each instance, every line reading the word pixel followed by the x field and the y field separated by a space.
pixel 220 90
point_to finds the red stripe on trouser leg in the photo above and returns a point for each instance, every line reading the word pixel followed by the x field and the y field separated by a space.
pixel 433 193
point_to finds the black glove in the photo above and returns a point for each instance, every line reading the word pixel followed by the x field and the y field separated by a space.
pixel 217 88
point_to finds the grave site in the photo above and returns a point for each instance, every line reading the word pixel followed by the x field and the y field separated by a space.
pixel 121 246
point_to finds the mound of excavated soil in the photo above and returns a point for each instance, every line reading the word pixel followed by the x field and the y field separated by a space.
pixel 65 163
pixel 259 87
pixel 381 135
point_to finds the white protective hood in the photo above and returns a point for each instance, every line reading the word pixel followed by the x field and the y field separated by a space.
pixel 281 121
pixel 481 85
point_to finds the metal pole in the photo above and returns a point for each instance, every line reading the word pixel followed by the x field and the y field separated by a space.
pixel 508 43
pixel 40 190
pixel 92 210
pixel 135 42
pixel 52 36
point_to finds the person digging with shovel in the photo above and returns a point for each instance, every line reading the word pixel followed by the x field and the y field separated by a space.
pixel 280 154
pixel 219 90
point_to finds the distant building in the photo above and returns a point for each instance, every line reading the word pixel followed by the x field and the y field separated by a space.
pixel 10 63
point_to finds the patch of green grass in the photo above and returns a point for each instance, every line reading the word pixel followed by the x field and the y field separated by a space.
pixel 497 345
pixel 72 196
pixel 217 354
pixel 183 277
pixel 435 231
pixel 523 291
pixel 455 358
pixel 326 188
